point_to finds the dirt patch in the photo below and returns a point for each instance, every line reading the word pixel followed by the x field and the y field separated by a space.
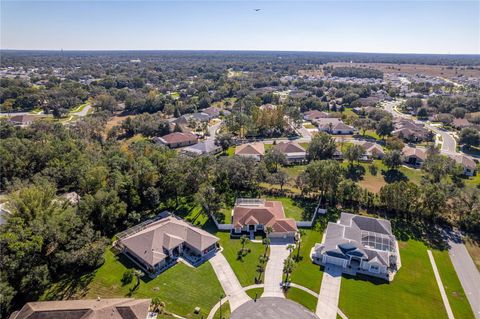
pixel 116 120
pixel 372 183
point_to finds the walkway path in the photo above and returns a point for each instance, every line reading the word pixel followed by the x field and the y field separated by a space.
pixel 274 270
pixel 329 293
pixel 440 285
pixel 230 284
pixel 466 271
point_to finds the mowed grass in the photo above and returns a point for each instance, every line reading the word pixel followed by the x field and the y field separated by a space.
pixel 302 297
pixel 245 269
pixel 181 288
pixel 306 273
pixel 473 248
pixel 254 292
pixel 453 288
pixel 290 207
pixel 412 294
pixel 225 312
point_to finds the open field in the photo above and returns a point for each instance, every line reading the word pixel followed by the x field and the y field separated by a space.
pixel 181 288
pixel 412 294
pixel 432 70
pixel 116 120
pixel 302 297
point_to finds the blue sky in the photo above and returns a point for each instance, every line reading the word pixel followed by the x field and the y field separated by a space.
pixel 359 26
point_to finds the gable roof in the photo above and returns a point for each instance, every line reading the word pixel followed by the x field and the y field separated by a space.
pixel 268 213
pixel 289 147
pixel 22 119
pixel 167 233
pixel 177 137
pixel 465 161
pixel 121 308
pixel 415 152
pixel 256 148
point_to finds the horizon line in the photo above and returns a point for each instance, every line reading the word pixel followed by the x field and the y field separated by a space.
pixel 231 50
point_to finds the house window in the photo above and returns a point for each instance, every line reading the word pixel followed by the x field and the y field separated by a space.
pixel 374 268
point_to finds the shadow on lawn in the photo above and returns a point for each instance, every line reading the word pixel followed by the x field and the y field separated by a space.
pixel 308 206
pixel 427 233
pixel 70 286
pixel 355 172
pixel 393 175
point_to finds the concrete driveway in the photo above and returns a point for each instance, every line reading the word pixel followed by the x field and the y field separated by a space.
pixel 274 270
pixel 230 284
pixel 329 293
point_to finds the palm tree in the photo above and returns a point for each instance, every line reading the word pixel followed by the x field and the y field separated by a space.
pixel 300 233
pixel 243 240
pixel 266 243
pixel 290 248
pixel 260 270
pixel 138 273
pixel 287 269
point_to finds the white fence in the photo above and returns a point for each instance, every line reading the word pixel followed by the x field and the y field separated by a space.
pixel 221 226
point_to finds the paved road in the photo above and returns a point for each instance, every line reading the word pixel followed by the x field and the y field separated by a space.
pixel 329 293
pixel 212 130
pixel 466 270
pixel 83 112
pixel 274 271
pixel 272 308
pixel 449 144
pixel 230 284
pixel 440 286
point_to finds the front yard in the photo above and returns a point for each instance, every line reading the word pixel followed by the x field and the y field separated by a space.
pixel 181 288
pixel 412 294
pixel 302 297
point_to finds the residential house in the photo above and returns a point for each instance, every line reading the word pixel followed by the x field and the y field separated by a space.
pixel 293 152
pixel 205 147
pixel 460 123
pixel 359 245
pixel 372 151
pixel 119 308
pixel 156 244
pixel 177 139
pixel 255 150
pixel 468 164
pixel 411 131
pixel 251 216
pixel 314 114
pixel 414 156
pixel 23 120
pixel 212 111
pixel 334 126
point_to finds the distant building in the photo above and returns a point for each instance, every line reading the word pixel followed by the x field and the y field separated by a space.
pixel 414 156
pixel 334 126
pixel 205 147
pixel 314 114
pixel 255 215
pixel 359 245
pixel 177 139
pixel 373 150
pixel 121 308
pixel 254 150
pixel 468 164
pixel 461 123
pixel 293 152
pixel 22 120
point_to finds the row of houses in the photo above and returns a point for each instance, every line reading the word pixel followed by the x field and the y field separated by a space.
pixel 415 157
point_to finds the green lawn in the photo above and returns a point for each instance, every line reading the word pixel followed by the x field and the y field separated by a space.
pixel 306 273
pixel 225 311
pixel 298 210
pixel 181 287
pixel 246 269
pixel 255 292
pixel 231 151
pixel 473 181
pixel 175 95
pixel 412 294
pixel 303 298
pixel 309 126
pixel 294 170
pixel 453 288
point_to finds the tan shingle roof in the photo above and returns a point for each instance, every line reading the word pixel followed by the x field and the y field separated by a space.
pixel 289 147
pixel 121 308
pixel 256 148
pixel 168 233
pixel 178 137
pixel 413 151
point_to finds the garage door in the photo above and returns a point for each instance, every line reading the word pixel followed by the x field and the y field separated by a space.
pixel 335 261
